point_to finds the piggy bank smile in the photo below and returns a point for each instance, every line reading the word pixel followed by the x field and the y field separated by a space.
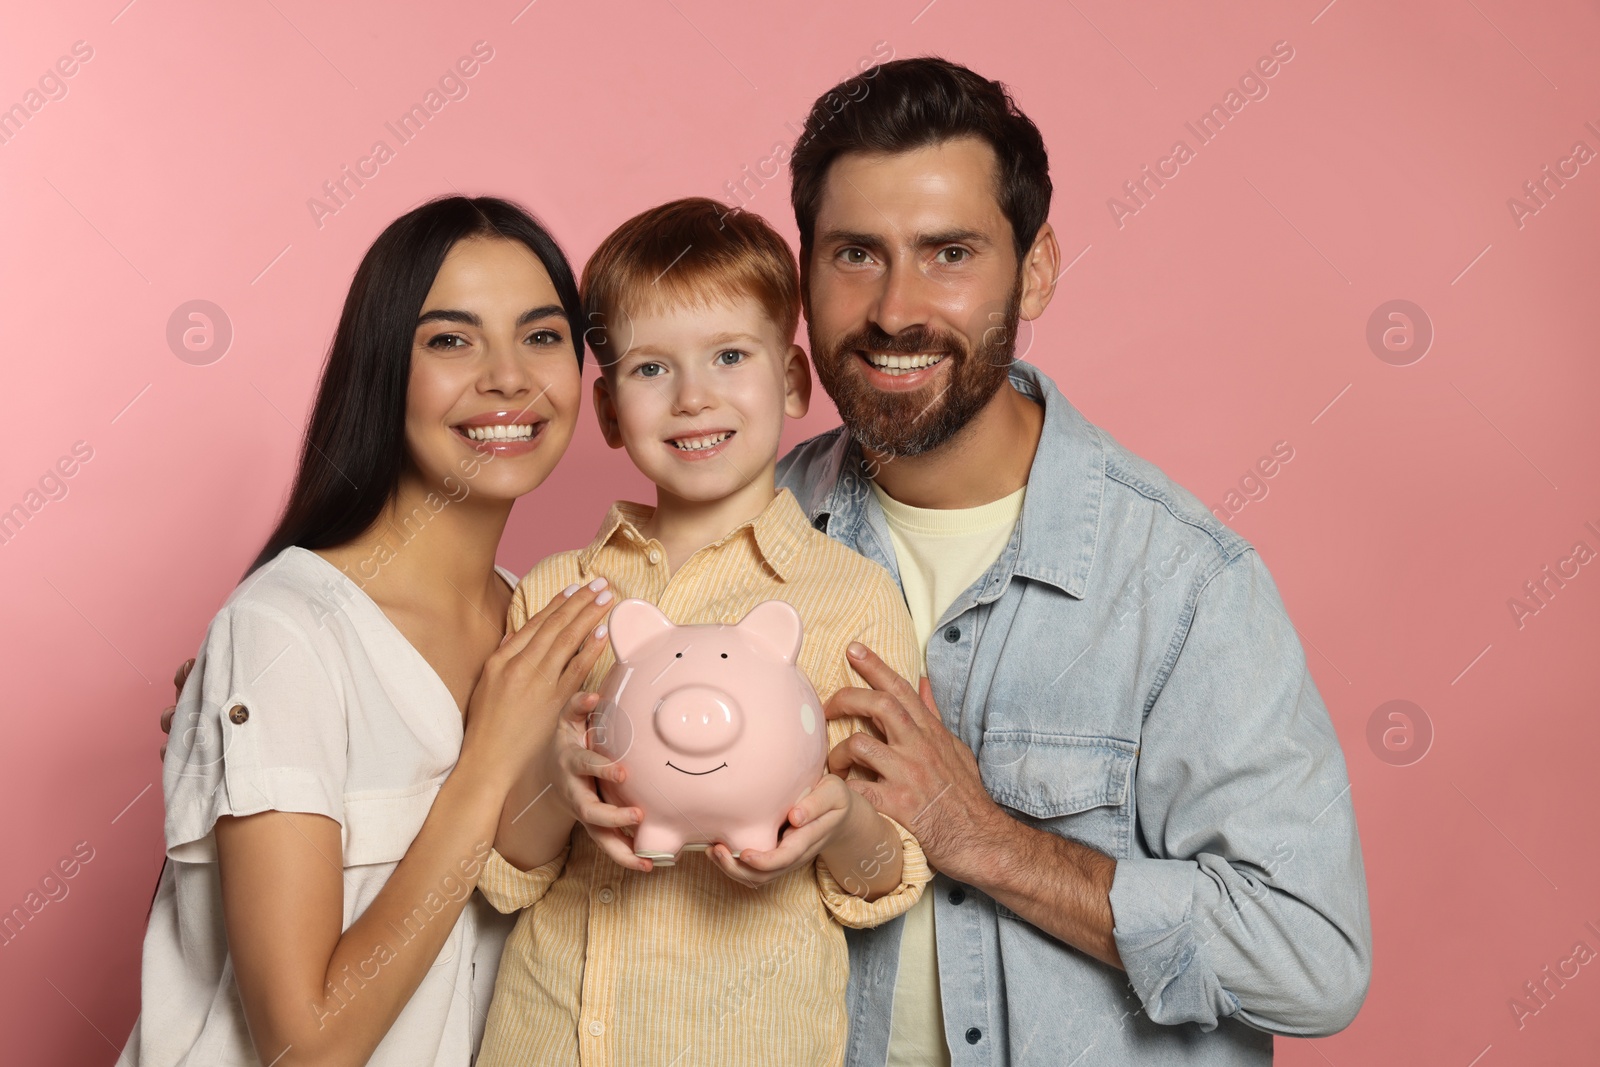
pixel 726 709
pixel 683 770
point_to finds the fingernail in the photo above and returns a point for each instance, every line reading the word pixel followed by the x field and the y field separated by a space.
pixel 603 598
pixel 600 631
pixel 857 650
pixel 569 590
pixel 598 584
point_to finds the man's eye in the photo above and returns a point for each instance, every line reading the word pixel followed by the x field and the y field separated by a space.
pixel 854 256
pixel 545 337
pixel 447 340
pixel 731 357
pixel 953 255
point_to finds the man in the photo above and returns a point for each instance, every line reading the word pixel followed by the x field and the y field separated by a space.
pixel 1123 774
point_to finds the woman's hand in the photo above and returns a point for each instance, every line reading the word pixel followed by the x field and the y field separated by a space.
pixel 518 698
pixel 180 676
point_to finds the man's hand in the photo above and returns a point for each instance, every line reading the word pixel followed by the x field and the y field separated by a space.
pixel 927 780
pixel 929 783
pixel 178 678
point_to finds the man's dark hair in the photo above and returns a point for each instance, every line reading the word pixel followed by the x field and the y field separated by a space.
pixel 913 103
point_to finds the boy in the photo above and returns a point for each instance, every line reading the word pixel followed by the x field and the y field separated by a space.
pixel 718 959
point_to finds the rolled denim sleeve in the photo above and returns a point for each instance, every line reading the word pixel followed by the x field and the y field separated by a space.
pixel 1252 902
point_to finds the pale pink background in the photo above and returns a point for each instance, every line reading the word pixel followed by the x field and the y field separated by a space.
pixel 1222 318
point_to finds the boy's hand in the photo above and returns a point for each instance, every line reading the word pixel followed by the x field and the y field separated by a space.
pixel 815 822
pixel 574 773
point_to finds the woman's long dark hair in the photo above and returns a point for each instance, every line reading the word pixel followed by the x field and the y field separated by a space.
pixel 355 446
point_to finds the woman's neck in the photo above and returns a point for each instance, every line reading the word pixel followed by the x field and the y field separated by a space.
pixel 426 549
pixel 684 527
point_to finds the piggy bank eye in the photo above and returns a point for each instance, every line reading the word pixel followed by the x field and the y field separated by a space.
pixel 724 655
pixel 678 656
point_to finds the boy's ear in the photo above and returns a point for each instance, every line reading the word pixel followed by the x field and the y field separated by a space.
pixel 797 383
pixel 605 410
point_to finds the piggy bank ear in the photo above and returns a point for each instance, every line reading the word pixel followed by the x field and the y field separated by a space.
pixel 635 623
pixel 777 625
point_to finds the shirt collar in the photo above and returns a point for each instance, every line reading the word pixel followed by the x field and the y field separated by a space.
pixel 1061 512
pixel 779 532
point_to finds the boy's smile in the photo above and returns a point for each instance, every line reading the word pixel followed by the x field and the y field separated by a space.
pixel 699 398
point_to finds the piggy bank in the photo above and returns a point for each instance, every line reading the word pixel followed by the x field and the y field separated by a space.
pixel 716 725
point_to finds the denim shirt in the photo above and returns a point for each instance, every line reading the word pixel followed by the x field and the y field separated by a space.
pixel 1127 677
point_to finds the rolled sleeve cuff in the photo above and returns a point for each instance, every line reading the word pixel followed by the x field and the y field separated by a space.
pixel 1152 905
pixel 509 889
pixel 856 913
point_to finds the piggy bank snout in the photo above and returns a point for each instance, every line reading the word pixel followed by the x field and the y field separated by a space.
pixel 699 720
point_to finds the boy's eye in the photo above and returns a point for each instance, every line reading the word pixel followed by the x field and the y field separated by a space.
pixel 447 340
pixel 649 370
pixel 731 357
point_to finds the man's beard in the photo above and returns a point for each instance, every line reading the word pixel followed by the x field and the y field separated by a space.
pixel 911 423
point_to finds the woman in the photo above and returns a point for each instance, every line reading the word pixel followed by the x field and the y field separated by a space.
pixel 342 753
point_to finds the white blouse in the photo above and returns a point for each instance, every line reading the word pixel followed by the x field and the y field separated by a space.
pixel 305 698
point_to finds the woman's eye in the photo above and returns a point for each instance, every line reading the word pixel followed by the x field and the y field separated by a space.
pixel 447 340
pixel 730 358
pixel 545 337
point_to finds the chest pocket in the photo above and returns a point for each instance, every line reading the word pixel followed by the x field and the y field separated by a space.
pixel 1069 785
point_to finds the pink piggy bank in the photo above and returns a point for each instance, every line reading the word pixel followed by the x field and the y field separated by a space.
pixel 717 726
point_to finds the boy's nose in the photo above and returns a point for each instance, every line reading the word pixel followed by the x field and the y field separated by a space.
pixel 690 396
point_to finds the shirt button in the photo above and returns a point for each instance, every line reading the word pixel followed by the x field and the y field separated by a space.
pixel 952 634
pixel 958 896
pixel 606 896
pixel 596 1028
pixel 974 1035
pixel 238 715
pixel 655 556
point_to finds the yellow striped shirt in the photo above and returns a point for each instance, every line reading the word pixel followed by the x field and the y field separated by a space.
pixel 684 965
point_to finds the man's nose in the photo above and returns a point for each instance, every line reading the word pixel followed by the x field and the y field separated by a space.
pixel 902 300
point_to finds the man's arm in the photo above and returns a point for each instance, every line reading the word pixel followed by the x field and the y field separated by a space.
pixel 928 782
pixel 1253 902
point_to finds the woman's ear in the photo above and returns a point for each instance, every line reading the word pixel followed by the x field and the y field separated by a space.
pixel 605 410
pixel 797 383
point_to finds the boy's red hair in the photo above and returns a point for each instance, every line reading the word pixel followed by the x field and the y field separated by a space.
pixel 692 251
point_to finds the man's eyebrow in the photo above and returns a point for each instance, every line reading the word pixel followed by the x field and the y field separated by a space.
pixel 954 237
pixel 469 318
pixel 874 243
pixel 869 241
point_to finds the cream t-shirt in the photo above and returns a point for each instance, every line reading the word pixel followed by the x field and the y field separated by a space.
pixel 306 698
pixel 940 554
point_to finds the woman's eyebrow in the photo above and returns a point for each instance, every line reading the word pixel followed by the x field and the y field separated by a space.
pixel 449 315
pixel 544 311
pixel 469 318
